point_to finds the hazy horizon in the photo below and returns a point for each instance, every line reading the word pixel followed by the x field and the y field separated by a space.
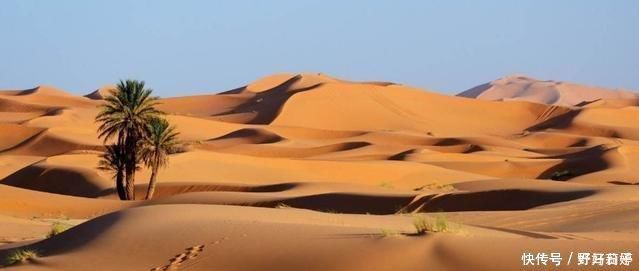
pixel 195 47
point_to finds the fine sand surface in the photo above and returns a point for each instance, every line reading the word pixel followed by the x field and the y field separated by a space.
pixel 310 172
pixel 524 88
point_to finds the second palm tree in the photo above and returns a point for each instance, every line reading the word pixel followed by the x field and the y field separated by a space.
pixel 160 140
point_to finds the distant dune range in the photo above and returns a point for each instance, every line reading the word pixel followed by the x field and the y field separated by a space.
pixel 310 172
pixel 523 88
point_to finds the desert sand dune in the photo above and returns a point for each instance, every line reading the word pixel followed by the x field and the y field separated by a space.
pixel 39 90
pixel 299 168
pixel 520 87
pixel 26 203
pixel 14 134
pixel 378 108
pixel 47 96
pixel 212 237
pixel 51 142
pixel 101 93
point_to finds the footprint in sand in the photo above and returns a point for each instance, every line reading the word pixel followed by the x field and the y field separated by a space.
pixel 175 262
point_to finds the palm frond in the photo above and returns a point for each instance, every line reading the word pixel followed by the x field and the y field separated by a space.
pixel 160 140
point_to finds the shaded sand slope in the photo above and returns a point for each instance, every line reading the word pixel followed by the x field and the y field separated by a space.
pixel 45 96
pixel 370 107
pixel 485 196
pixel 200 237
pixel 101 93
pixel 519 87
pixel 256 103
pixel 66 180
pixel 595 121
pixel 26 203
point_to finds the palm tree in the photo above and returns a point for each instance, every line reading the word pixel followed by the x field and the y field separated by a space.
pixel 159 142
pixel 125 114
pixel 113 160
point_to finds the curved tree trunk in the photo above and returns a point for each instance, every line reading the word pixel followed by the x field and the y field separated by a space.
pixel 151 190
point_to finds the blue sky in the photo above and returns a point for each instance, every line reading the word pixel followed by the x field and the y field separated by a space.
pixel 191 47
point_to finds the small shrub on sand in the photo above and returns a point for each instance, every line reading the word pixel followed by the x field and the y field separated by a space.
pixel 20 256
pixel 441 223
pixel 389 233
pixel 423 225
pixel 180 148
pixel 435 186
pixel 57 228
pixel 561 175
pixel 282 205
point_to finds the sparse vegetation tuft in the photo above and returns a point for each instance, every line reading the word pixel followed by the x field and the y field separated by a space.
pixel 57 228
pixel 435 186
pixel 389 233
pixel 423 225
pixel 282 205
pixel 441 223
pixel 562 175
pixel 179 148
pixel 20 256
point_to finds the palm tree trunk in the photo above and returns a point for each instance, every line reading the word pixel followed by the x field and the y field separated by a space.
pixel 151 190
pixel 130 184
pixel 119 184
pixel 119 179
pixel 130 165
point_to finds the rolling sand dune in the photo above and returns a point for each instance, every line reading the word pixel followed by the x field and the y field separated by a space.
pixel 65 180
pixel 382 108
pixel 47 96
pixel 309 172
pixel 101 93
pixel 519 87
pixel 212 236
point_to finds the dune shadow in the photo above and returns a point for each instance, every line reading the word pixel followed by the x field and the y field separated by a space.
pixel 562 121
pixel 623 183
pixel 164 190
pixel 518 232
pixel 255 136
pixel 56 180
pixel 576 164
pixel 402 155
pixel 73 239
pixel 496 200
pixel 267 104
pixel 347 203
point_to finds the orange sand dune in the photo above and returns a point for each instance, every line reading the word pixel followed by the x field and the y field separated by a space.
pixel 378 108
pixel 519 87
pixel 48 96
pixel 39 90
pixel 14 134
pixel 26 203
pixel 101 92
pixel 203 237
pixel 60 179
pixel 309 172
pixel 51 142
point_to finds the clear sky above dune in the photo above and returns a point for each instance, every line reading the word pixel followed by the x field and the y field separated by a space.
pixel 190 47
